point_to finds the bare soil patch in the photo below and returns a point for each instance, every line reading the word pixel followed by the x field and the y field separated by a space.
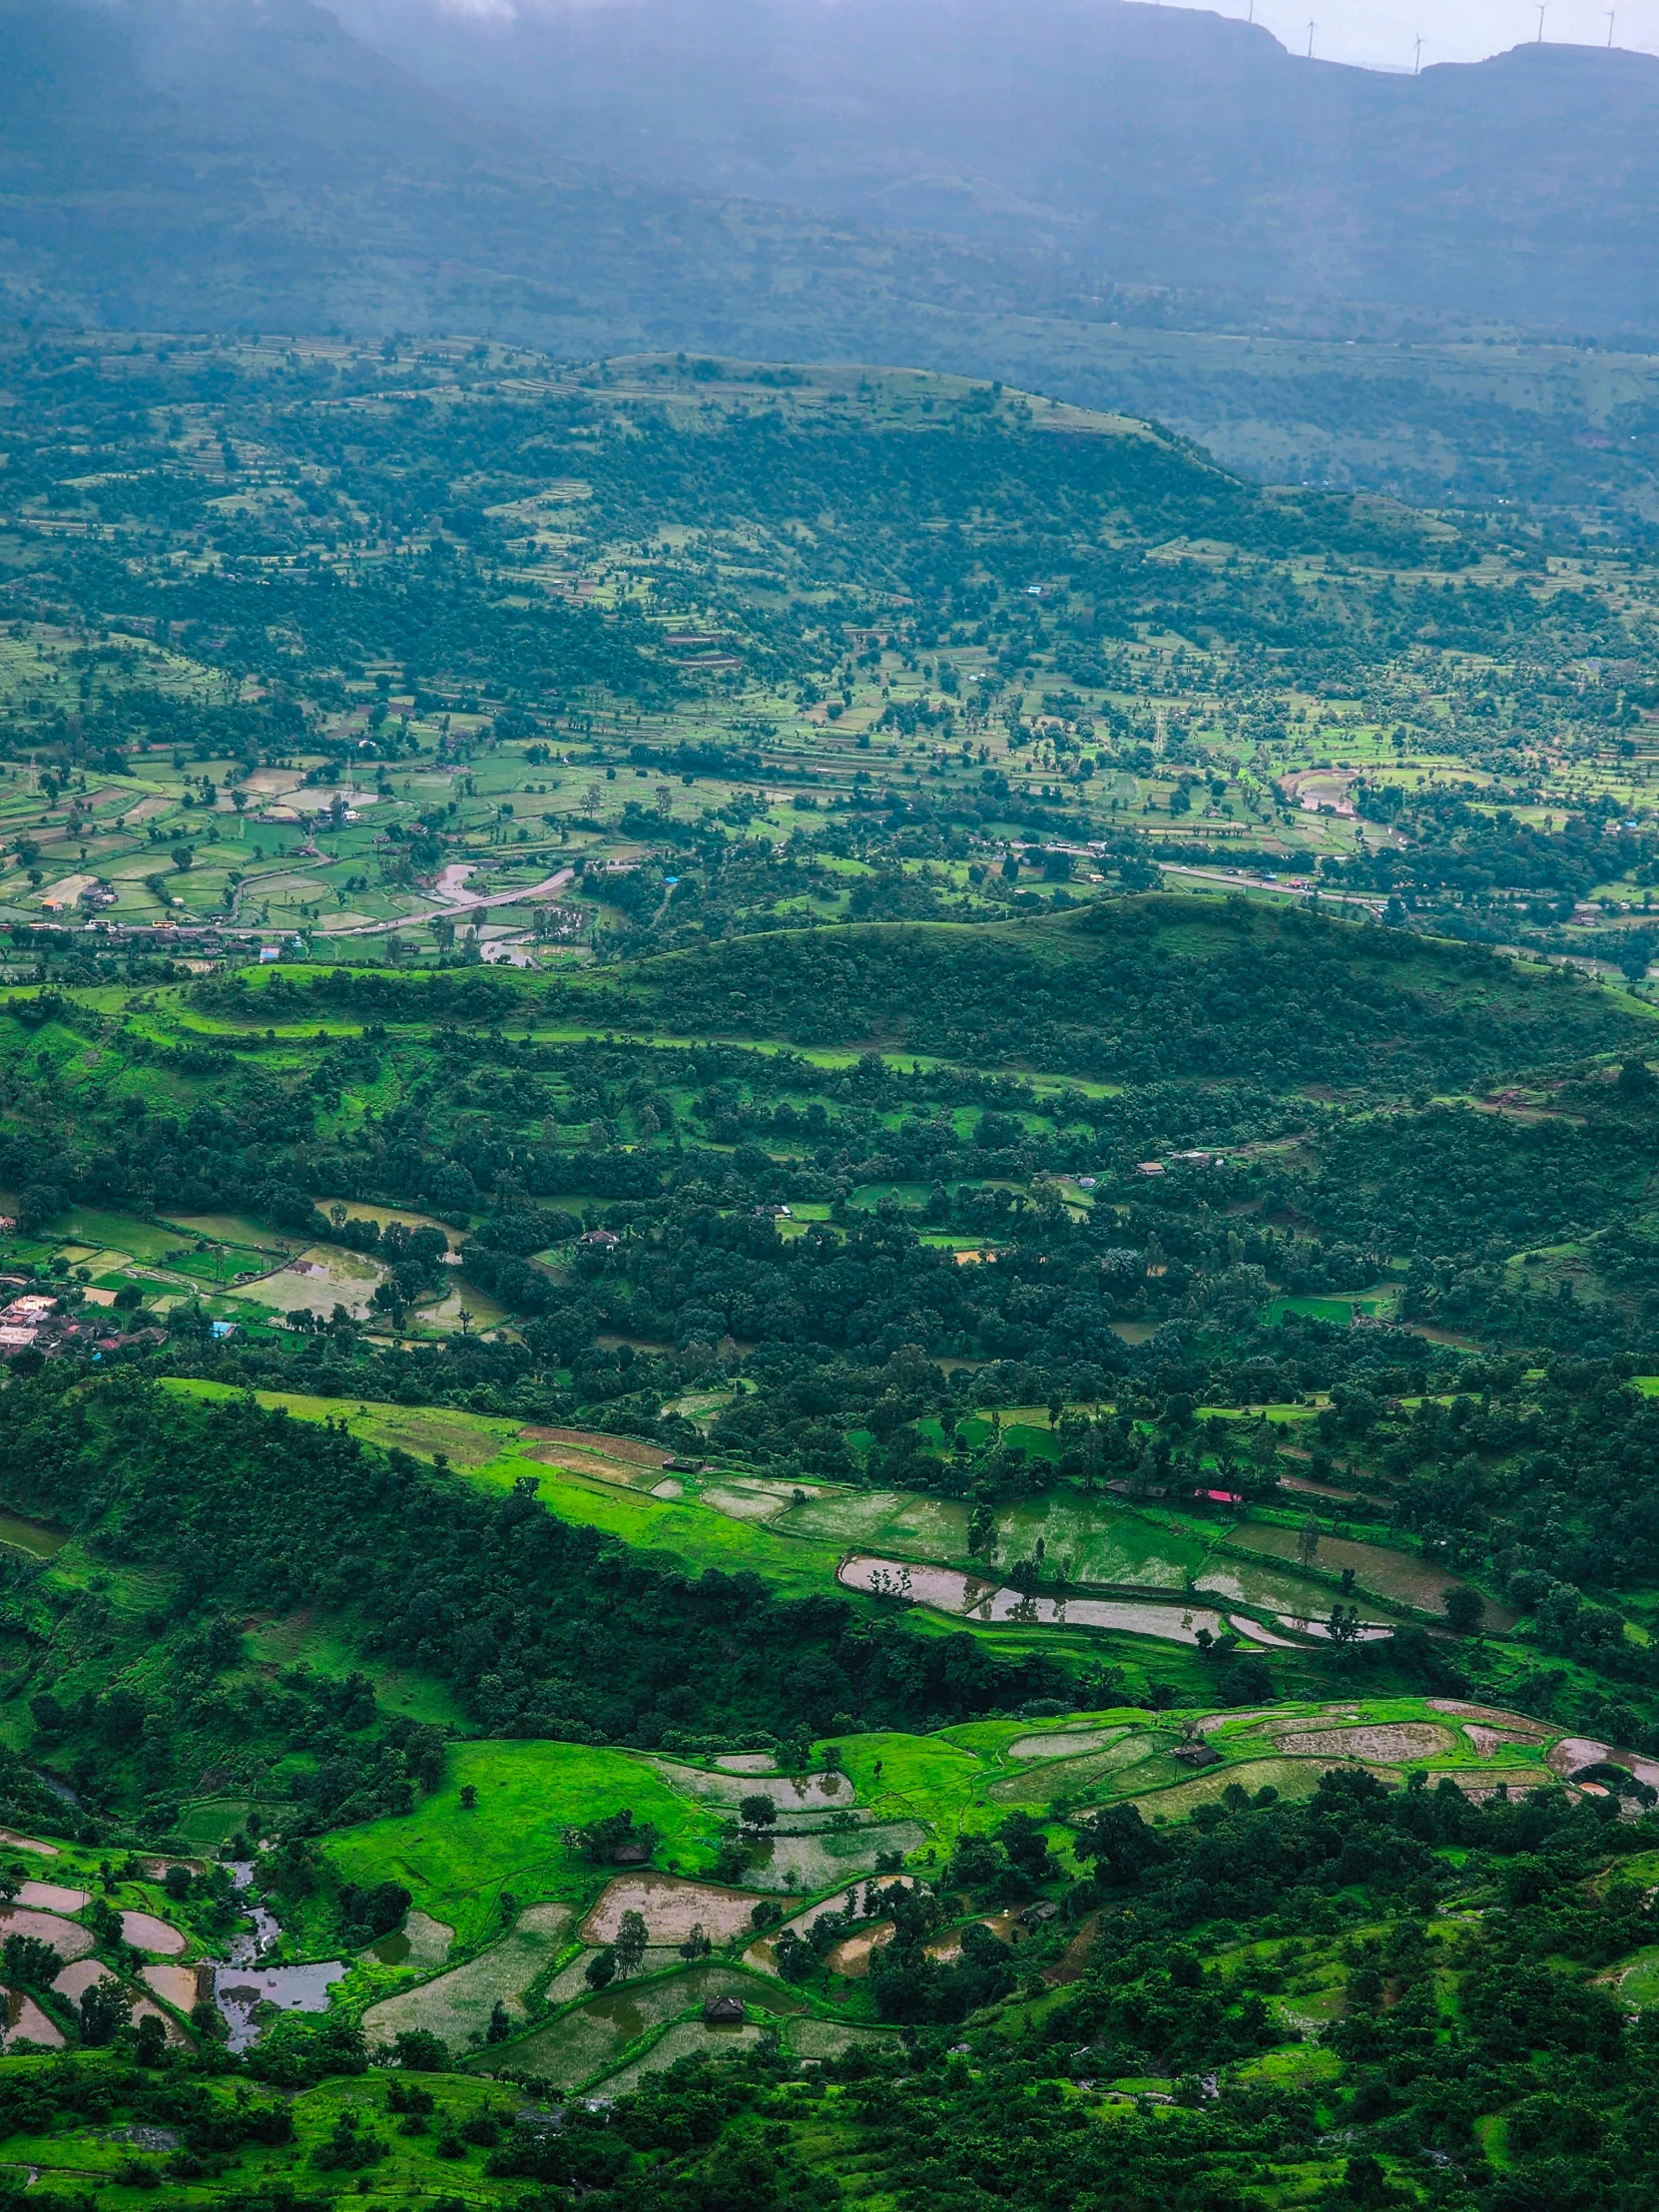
pixel 608 1448
pixel 1073 1962
pixel 1380 1740
pixel 1489 1741
pixel 1519 1722
pixel 670 1907
pixel 852 1954
pixel 1003 1925
pixel 179 1986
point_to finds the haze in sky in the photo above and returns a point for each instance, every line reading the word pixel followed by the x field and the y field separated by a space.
pixel 1382 33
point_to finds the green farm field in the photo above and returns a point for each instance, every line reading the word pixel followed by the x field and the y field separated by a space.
pixel 797 1539
pixel 529 1911
pixel 458 1862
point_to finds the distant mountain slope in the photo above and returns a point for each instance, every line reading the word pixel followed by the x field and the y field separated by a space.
pixel 252 164
pixel 248 161
pixel 636 176
pixel 1169 146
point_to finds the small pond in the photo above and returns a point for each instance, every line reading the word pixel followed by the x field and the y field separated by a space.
pixel 242 1986
pixel 238 1991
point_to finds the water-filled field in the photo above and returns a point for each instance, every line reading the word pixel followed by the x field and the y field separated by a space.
pixel 460 2002
pixel 592 2039
pixel 1396 1575
pixel 976 1598
pixel 1084 1540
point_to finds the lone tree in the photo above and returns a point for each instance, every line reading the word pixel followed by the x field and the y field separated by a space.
pixel 629 1944
pixel 758 1810
pixel 1464 1609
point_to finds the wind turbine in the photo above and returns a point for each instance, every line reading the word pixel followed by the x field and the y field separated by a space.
pixel 1609 29
pixel 1309 38
pixel 1542 4
pixel 1416 63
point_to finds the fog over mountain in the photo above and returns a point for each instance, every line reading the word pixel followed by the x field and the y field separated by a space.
pixel 1319 271
pixel 1164 145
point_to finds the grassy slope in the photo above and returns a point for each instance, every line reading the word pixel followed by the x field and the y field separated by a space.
pixel 458 1863
pixel 918 987
pixel 898 983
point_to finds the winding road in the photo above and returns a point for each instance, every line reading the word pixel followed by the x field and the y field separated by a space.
pixel 458 903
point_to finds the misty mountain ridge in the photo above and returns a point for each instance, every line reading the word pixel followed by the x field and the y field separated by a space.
pixel 393 160
pixel 1093 226
pixel 1161 145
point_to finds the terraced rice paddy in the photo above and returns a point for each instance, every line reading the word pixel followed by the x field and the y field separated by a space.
pixel 1068 1777
pixel 1096 1542
pixel 145 1932
pixel 179 1986
pixel 1388 1742
pixel 1384 1573
pixel 420 1943
pixel 67 1938
pixel 595 2038
pixel 1063 1742
pixel 790 1794
pixel 823 1858
pixel 670 1909
pixel 458 2005
pixel 685 2039
pixel 27 2023
pixel 321 1278
pixel 952 1591
pixel 1246 1584
pixel 52 1897
pixel 920 1793
pixel 798 1538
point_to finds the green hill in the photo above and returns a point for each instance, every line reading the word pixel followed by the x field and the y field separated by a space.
pixel 1147 989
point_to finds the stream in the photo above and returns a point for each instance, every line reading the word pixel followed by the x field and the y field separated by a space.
pixel 242 1985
